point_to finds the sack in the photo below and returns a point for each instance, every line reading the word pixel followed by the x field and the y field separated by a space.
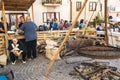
pixel 3 78
pixel 51 52
pixel 3 59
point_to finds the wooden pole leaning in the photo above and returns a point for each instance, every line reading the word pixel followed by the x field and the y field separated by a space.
pixel 5 26
pixel 65 39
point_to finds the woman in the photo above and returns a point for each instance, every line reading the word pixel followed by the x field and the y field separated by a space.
pixel 16 49
pixel 82 24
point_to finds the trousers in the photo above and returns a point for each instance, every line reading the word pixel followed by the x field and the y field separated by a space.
pixel 31 48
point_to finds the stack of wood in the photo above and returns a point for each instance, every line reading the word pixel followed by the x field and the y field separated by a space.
pixel 41 46
pixel 96 71
pixel 3 56
pixel 54 44
pixel 78 43
pixel 66 50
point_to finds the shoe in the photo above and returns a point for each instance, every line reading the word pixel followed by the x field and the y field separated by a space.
pixel 23 61
pixel 29 59
pixel 14 62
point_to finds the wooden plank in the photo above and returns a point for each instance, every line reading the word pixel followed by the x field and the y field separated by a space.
pixel 5 26
pixel 106 21
pixel 18 5
pixel 33 13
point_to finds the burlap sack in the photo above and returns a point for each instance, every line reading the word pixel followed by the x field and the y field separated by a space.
pixel 3 59
pixel 50 53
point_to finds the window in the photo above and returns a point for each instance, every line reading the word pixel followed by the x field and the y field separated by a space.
pixel 92 6
pixel 78 5
pixel 50 16
pixel 112 8
pixel 100 6
pixel 14 17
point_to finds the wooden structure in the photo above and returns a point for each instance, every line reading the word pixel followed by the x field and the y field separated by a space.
pixel 2 44
pixel 11 5
pixel 43 35
pixel 106 21
pixel 17 5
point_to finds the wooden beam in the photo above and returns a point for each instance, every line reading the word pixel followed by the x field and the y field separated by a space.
pixel 17 4
pixel 15 9
pixel 20 5
pixel 106 22
pixel 19 1
pixel 33 13
pixel 5 26
pixel 65 39
pixel 4 18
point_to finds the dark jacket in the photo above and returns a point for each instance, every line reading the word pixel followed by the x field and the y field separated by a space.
pixel 20 46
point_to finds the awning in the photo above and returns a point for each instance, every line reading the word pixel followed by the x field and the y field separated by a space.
pixel 17 5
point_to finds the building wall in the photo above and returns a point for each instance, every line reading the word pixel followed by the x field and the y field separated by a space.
pixel 64 10
pixel 86 14
pixel 114 7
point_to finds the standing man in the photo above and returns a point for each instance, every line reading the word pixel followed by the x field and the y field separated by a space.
pixel 29 29
pixel 22 20
pixel 2 26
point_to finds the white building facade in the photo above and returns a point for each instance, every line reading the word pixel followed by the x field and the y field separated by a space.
pixel 92 9
pixel 61 9
pixel 44 11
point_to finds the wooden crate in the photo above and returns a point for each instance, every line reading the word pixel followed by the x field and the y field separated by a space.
pixel 54 34
pixel 2 44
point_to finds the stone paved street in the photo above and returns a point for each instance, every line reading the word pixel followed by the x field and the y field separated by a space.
pixel 35 69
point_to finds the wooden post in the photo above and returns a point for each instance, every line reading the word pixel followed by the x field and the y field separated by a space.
pixel 65 39
pixel 5 26
pixel 106 22
pixel 32 12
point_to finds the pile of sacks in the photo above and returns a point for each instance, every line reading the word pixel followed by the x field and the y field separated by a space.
pixel 51 49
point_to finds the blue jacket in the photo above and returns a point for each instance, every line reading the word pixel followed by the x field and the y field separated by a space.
pixel 29 29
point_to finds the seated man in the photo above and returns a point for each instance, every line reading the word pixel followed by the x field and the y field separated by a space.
pixel 16 49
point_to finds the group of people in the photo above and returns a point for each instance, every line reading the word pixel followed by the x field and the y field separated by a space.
pixel 84 25
pixel 115 27
pixel 54 24
pixel 27 48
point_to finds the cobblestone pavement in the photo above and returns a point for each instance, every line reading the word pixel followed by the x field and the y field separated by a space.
pixel 35 69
